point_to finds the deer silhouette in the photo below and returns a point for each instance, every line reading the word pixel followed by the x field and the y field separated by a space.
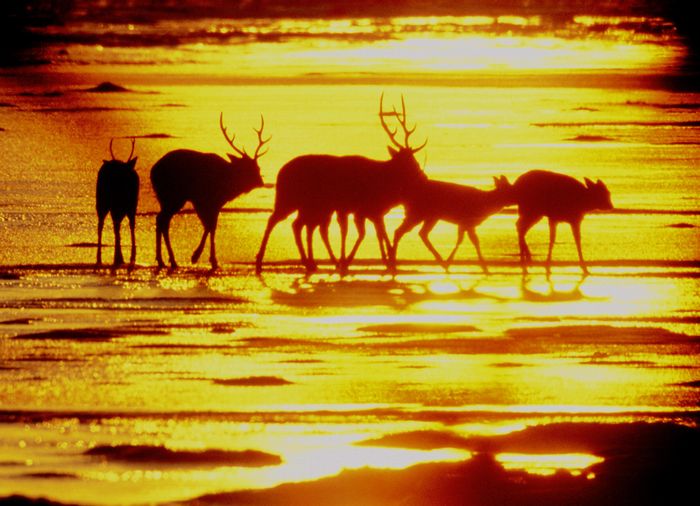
pixel 316 186
pixel 560 198
pixel 465 206
pixel 117 193
pixel 207 181
pixel 376 206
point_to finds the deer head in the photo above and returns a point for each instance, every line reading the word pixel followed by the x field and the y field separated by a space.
pixel 598 194
pixel 130 163
pixel 246 166
pixel 402 154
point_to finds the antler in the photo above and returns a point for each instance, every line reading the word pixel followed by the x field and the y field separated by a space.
pixel 261 142
pixel 382 113
pixel 133 145
pixel 401 118
pixel 230 141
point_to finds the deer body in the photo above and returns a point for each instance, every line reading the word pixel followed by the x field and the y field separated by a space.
pixel 465 206
pixel 560 198
pixel 117 194
pixel 206 180
pixel 316 186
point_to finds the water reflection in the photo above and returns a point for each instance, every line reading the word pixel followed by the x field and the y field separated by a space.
pixel 552 293
pixel 377 290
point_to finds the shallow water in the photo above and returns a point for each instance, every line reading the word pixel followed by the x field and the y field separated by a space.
pixel 113 382
pixel 304 369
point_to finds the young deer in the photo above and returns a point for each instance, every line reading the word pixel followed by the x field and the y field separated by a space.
pixel 208 182
pixel 316 186
pixel 465 206
pixel 117 193
pixel 560 198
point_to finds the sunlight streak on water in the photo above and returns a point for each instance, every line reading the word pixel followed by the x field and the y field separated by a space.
pixel 548 464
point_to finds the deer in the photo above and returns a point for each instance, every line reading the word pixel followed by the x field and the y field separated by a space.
pixel 465 206
pixel 206 180
pixel 317 186
pixel 117 194
pixel 374 209
pixel 561 198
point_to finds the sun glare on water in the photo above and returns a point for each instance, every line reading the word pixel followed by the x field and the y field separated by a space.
pixel 447 47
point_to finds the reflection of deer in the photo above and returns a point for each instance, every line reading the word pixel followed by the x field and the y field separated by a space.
pixel 560 198
pixel 465 206
pixel 117 193
pixel 206 180
pixel 318 185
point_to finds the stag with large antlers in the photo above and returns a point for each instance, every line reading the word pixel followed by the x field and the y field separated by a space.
pixel 374 211
pixel 207 181
pixel 316 186
pixel 117 193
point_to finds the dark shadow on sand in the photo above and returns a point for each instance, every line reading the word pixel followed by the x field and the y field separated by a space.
pixel 161 456
pixel 645 464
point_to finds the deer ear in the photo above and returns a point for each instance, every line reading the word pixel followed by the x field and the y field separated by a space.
pixel 600 183
pixel 132 162
pixel 392 151
pixel 232 158
pixel 589 183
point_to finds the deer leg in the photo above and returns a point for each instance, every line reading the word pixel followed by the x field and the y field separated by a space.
pixel 297 226
pixel 273 220
pixel 205 220
pixel 323 229
pixel 118 258
pixel 576 231
pixel 406 226
pixel 552 240
pixel 343 224
pixel 460 238
pixel 200 247
pixel 132 230
pixel 475 241
pixel 162 221
pixel 100 226
pixel 382 239
pixel 360 225
pixel 524 224
pixel 424 235
pixel 212 224
pixel 385 248
pixel 312 266
pixel 166 238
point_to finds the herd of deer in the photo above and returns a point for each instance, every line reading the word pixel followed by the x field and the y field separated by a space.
pixel 318 186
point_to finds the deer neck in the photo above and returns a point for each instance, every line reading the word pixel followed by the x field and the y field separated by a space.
pixel 495 200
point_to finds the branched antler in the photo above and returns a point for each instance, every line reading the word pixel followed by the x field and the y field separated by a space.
pixel 231 139
pixel 401 118
pixel 382 113
pixel 261 141
pixel 259 132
